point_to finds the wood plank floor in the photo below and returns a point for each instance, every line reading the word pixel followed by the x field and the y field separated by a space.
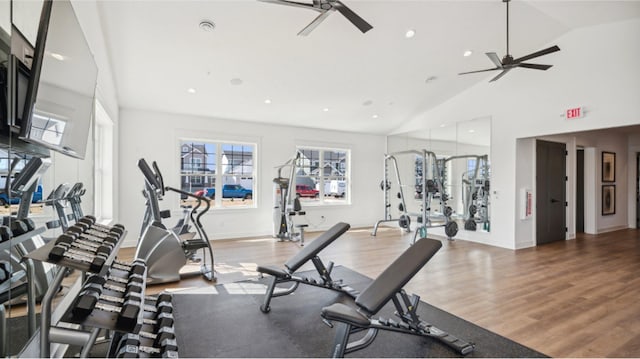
pixel 577 298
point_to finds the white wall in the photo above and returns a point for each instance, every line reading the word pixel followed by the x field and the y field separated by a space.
pixel 155 137
pixel 597 68
pixel 90 21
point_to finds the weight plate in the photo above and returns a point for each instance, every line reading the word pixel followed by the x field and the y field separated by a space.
pixel 451 229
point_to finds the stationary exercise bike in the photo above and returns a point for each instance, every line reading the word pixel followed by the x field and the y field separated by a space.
pixel 165 250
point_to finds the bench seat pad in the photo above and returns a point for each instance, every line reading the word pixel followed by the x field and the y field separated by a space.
pixel 318 244
pixel 389 282
pixel 344 313
pixel 274 271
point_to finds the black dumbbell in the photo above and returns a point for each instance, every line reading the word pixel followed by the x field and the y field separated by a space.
pixel 83 249
pixel 5 233
pixel 88 301
pixel 80 229
pixel 88 225
pixel 18 227
pixel 138 267
pixel 76 233
pixel 5 271
pixel 63 250
pixel 90 240
pixel 129 351
pixel 92 220
pixel 168 347
pixel 161 320
pixel 160 307
pixel 86 245
pixel 131 278
pixel 161 335
pixel 131 286
pixel 31 225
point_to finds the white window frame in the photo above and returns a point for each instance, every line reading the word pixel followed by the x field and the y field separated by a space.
pixel 322 199
pixel 103 164
pixel 220 176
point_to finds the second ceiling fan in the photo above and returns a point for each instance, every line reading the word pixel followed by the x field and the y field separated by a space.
pixel 508 62
pixel 325 8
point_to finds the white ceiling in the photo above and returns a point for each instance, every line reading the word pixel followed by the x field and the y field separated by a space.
pixel 158 51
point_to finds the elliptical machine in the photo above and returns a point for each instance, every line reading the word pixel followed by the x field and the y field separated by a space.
pixel 164 250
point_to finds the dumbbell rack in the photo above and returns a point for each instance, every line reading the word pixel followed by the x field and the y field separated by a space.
pixel 31 297
pixel 156 335
pixel 31 305
pixel 62 332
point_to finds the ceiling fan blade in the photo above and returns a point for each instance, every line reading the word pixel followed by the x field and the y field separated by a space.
pixel 355 19
pixel 504 72
pixel 534 66
pixel 494 58
pixel 473 72
pixel 537 54
pixel 292 3
pixel 317 21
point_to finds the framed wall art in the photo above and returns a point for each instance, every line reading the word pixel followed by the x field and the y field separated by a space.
pixel 608 166
pixel 608 199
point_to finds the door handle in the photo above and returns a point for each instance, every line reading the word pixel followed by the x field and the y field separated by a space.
pixel 553 200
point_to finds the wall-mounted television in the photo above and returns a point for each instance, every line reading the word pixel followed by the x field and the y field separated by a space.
pixel 58 108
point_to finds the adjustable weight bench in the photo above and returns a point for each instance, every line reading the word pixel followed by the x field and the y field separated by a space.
pixel 388 287
pixel 309 252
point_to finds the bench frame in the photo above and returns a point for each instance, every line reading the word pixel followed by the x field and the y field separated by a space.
pixel 351 321
pixel 286 275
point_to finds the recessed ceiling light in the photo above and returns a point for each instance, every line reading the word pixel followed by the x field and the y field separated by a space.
pixel 410 33
pixel 236 81
pixel 207 25
pixel 267 101
pixel 191 90
pixel 467 53
pixel 57 56
pixel 442 125
pixel 326 109
pixel 374 116
pixel 472 131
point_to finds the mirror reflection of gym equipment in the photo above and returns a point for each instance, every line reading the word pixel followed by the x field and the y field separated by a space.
pixel 429 175
pixel 435 191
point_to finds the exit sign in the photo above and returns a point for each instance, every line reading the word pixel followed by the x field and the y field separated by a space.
pixel 577 112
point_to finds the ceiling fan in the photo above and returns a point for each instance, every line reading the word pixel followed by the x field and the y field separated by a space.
pixel 508 62
pixel 325 8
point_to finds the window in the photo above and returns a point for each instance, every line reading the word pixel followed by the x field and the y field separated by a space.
pixel 327 172
pixel 209 168
pixel 103 167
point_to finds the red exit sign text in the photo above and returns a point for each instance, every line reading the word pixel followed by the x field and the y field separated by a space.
pixel 572 113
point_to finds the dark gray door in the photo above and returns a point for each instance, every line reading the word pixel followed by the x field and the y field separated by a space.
pixel 550 191
pixel 638 190
pixel 580 191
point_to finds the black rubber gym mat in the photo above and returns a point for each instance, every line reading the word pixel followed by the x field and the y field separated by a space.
pixel 229 323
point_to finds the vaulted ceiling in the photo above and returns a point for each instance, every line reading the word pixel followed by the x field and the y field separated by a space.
pixel 335 78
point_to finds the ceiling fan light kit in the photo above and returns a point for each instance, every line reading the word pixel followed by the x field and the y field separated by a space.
pixel 325 8
pixel 508 62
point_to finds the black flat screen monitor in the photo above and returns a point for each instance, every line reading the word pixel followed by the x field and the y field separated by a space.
pixel 58 114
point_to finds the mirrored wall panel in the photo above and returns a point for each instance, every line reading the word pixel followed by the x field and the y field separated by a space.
pixel 439 178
